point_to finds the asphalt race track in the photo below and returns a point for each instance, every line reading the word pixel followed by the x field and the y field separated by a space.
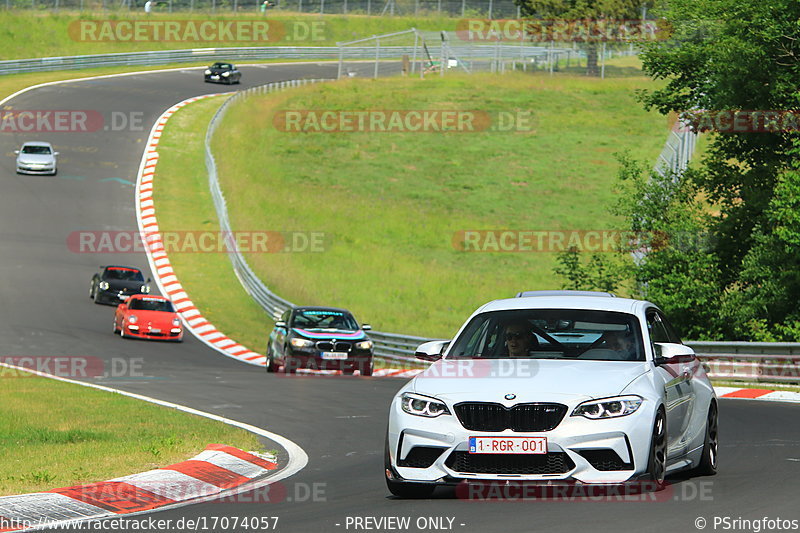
pixel 339 421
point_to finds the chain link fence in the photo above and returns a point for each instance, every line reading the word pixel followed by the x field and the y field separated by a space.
pixel 492 9
pixel 419 53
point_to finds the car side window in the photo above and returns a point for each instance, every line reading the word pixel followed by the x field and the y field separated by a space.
pixel 672 335
pixel 656 329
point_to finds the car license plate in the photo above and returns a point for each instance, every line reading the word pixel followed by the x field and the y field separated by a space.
pixel 214 77
pixel 155 330
pixel 338 356
pixel 535 445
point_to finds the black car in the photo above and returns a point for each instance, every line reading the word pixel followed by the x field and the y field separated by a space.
pixel 320 338
pixel 221 72
pixel 114 284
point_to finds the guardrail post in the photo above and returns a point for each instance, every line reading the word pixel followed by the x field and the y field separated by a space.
pixel 414 56
pixel 377 53
pixel 603 64
pixel 322 7
pixel 341 61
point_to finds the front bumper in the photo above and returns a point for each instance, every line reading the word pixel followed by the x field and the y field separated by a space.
pixel 36 169
pixel 113 297
pixel 216 78
pixel 578 449
pixel 312 359
pixel 164 335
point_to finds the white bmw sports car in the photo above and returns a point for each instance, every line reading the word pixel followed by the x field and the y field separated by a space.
pixel 554 386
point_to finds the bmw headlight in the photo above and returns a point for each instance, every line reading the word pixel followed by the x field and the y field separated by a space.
pixel 176 322
pixel 103 285
pixel 226 74
pixel 301 343
pixel 133 319
pixel 145 289
pixel 418 405
pixel 208 72
pixel 364 345
pixel 608 407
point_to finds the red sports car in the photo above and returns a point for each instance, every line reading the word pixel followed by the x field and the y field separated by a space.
pixel 148 317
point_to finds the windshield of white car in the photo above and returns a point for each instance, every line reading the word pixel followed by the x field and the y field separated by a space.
pixel 145 304
pixel 323 319
pixel 576 334
pixel 36 150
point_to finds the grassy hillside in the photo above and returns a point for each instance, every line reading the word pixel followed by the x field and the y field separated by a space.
pixel 390 204
pixel 27 34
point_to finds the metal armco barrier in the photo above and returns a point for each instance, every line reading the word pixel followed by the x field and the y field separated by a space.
pixel 196 55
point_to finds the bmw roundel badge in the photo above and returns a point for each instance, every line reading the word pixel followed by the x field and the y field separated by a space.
pixel 510 396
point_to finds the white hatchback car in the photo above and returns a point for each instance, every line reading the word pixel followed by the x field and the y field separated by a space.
pixel 554 386
pixel 36 157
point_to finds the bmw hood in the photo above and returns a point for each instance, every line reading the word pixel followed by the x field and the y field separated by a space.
pixel 338 334
pixel 528 380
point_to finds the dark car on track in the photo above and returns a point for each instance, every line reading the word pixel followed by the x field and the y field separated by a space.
pixel 221 72
pixel 320 338
pixel 114 284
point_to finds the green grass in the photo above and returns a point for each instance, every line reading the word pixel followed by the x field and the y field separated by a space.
pixel 183 202
pixel 390 203
pixel 58 434
pixel 27 34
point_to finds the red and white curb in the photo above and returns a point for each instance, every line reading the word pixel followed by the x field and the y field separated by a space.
pixel 758 394
pixel 159 261
pixel 217 469
pixel 165 277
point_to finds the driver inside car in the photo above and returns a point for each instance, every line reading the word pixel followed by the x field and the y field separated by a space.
pixel 519 338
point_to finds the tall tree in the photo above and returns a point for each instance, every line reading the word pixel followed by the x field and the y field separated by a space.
pixel 583 10
pixel 727 55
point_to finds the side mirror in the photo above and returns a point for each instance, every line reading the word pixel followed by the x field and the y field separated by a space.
pixel 55 153
pixel 122 306
pixel 431 351
pixel 148 280
pixel 280 324
pixel 16 152
pixel 366 327
pixel 668 353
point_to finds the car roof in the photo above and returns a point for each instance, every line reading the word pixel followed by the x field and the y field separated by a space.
pixel 315 308
pixel 122 266
pixel 599 303
pixel 37 143
pixel 566 293
pixel 149 297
